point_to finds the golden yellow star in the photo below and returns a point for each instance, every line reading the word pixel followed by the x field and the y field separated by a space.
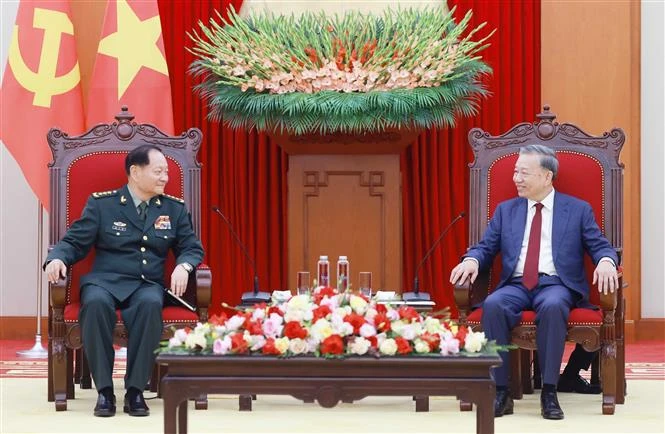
pixel 134 44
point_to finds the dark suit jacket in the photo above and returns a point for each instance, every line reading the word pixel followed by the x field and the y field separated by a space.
pixel 574 231
pixel 127 249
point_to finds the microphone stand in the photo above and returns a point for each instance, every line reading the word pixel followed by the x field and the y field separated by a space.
pixel 249 298
pixel 416 295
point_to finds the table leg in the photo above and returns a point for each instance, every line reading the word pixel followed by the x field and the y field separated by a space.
pixel 182 417
pixel 485 409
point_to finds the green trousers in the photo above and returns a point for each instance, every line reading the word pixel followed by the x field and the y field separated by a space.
pixel 142 315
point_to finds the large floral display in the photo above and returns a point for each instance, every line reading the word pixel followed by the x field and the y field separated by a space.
pixel 327 323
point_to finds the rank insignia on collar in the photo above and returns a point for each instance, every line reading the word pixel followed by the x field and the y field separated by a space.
pixel 123 199
pixel 158 202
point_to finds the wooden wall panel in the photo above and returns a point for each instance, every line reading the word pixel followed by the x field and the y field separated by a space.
pixel 346 205
pixel 590 76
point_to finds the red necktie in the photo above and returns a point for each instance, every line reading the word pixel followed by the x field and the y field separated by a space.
pixel 530 276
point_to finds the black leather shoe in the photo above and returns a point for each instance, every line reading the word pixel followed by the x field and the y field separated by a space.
pixel 577 384
pixel 549 406
pixel 503 403
pixel 105 404
pixel 135 404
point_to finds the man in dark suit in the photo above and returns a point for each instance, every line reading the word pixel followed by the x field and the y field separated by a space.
pixel 132 230
pixel 542 236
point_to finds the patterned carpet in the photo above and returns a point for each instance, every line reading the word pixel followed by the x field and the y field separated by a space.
pixel 644 361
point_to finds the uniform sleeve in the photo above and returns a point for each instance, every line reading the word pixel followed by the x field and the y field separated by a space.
pixel 187 247
pixel 80 236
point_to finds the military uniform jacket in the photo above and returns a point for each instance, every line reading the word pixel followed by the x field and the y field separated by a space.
pixel 128 250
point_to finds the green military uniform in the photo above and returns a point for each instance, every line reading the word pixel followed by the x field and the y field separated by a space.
pixel 127 274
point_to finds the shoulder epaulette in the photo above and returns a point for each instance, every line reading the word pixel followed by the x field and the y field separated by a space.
pixel 101 194
pixel 177 199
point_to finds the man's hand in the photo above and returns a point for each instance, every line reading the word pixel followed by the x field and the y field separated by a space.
pixel 606 276
pixel 56 269
pixel 464 269
pixel 179 280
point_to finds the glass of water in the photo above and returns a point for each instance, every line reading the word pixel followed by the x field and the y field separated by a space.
pixel 302 282
pixel 365 283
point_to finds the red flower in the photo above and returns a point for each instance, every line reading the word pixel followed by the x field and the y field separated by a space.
pixel 269 348
pixel 403 346
pixel 409 313
pixel 372 340
pixel 218 320
pixel 433 340
pixel 320 312
pixel 323 292
pixel 274 309
pixel 254 327
pixel 293 329
pixel 381 308
pixel 333 344
pixel 238 344
pixel 462 331
pixel 381 322
pixel 356 321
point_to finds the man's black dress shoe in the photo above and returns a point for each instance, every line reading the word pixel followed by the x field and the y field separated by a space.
pixel 105 404
pixel 577 384
pixel 135 404
pixel 549 406
pixel 503 403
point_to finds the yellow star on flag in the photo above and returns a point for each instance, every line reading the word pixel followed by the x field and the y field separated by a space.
pixel 134 44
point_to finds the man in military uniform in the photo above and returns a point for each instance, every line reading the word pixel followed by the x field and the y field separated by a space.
pixel 132 230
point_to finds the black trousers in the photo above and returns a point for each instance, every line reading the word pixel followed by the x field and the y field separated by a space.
pixel 142 315
pixel 579 359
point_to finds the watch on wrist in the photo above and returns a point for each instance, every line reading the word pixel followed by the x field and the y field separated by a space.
pixel 187 267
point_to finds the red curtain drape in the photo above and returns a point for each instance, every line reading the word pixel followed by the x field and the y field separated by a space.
pixel 245 174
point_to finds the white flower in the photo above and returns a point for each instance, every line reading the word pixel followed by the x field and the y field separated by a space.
pixel 221 346
pixel 234 323
pixel 340 326
pixel 407 331
pixel 181 335
pixel 195 340
pixel 298 302
pixel 282 344
pixel 433 325
pixel 298 346
pixel 388 347
pixel 421 346
pixel 258 314
pixel 174 342
pixel 367 330
pixel 294 315
pixel 272 327
pixel 256 342
pixel 449 346
pixel 474 341
pixel 202 328
pixel 359 346
pixel 358 304
pixel 321 330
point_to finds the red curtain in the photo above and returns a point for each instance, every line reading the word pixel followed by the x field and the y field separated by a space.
pixel 435 174
pixel 245 174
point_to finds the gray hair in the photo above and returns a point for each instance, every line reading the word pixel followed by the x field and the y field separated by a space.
pixel 547 155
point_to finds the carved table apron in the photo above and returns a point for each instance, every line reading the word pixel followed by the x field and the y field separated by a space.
pixel 327 381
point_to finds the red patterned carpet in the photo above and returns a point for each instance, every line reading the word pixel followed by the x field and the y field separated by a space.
pixel 645 360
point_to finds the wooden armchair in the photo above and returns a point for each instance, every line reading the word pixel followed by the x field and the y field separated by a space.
pixel 590 170
pixel 94 162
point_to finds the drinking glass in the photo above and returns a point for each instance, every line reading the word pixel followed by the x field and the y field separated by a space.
pixel 365 283
pixel 302 282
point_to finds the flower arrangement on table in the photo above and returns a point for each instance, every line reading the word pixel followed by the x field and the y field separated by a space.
pixel 328 324
pixel 413 68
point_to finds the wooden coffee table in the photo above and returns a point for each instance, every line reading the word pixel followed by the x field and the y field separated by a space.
pixel 327 381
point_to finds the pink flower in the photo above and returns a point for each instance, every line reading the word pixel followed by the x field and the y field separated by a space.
pixel 221 346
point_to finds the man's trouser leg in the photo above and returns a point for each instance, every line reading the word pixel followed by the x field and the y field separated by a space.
pixel 97 318
pixel 143 318
pixel 502 311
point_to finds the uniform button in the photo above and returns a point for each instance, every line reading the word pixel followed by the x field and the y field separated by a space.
pixel 117 233
pixel 144 261
pixel 142 276
pixel 143 249
pixel 145 237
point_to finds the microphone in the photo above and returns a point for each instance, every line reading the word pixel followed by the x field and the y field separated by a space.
pixel 255 296
pixel 416 295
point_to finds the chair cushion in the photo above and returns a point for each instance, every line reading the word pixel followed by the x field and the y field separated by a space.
pixel 170 314
pixel 577 317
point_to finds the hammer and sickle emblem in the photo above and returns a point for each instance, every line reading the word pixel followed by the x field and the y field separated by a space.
pixel 44 83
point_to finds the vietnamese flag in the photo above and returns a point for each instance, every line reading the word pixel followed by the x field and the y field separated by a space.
pixel 130 67
pixel 41 88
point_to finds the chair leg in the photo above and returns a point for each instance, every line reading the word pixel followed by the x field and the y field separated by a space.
pixel 77 366
pixel 85 380
pixel 515 373
pixel 608 371
pixel 59 367
pixel 70 373
pixel 155 378
pixel 537 376
pixel 621 355
pixel 525 370
pixel 49 388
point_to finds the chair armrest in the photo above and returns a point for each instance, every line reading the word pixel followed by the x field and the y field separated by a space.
pixel 58 293
pixel 203 282
pixel 608 302
pixel 462 295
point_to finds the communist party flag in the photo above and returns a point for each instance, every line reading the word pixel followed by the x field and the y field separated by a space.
pixel 41 88
pixel 130 67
